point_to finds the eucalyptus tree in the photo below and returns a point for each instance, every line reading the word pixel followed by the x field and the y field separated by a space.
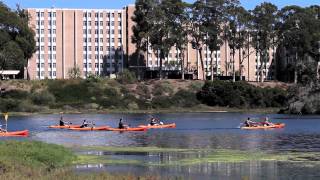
pixel 179 30
pixel 215 11
pixel 141 28
pixel 197 30
pixel 160 31
pixel 299 35
pixel 263 32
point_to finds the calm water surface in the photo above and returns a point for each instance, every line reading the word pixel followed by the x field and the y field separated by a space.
pixel 194 130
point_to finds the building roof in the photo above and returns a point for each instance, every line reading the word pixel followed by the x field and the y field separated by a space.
pixel 9 72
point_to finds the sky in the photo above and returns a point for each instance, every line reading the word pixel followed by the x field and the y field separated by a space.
pixel 116 4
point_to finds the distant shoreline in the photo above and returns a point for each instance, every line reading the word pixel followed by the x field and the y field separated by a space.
pixel 151 111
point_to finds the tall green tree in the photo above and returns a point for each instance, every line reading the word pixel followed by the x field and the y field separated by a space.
pixel 178 22
pixel 197 30
pixel 143 8
pixel 215 13
pixel 263 32
pixel 17 42
pixel 160 30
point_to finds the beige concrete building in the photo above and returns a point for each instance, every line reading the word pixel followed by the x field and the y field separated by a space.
pixel 98 41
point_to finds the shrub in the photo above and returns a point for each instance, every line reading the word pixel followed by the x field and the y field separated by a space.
pixel 161 102
pixel 42 98
pixel 184 98
pixel 126 77
pixel 162 89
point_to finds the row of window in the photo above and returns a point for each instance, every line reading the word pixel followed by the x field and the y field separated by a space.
pixel 51 56
pixel 96 31
pixel 88 14
pixel 96 65
pixel 49 31
pixel 42 23
pixel 96 56
pixel 96 23
pixel 54 73
pixel 41 14
pixel 42 48
pixel 41 65
pixel 101 40
pixel 53 39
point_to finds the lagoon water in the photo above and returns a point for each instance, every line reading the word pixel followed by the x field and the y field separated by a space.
pixel 194 131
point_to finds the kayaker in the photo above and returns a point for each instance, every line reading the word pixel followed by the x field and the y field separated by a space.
pixel 121 125
pixel 249 123
pixel 61 122
pixel 153 121
pixel 266 122
pixel 84 124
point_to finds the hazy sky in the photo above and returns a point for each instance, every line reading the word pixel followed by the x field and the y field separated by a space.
pixel 114 4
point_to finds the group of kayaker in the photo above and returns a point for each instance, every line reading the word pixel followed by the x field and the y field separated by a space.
pixel 121 125
pixel 265 122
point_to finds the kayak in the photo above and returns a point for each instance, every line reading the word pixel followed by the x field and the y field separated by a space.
pixel 15 133
pixel 274 126
pixel 99 128
pixel 65 126
pixel 128 129
pixel 172 125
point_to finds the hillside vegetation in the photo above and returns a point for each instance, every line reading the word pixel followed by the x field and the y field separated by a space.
pixel 95 94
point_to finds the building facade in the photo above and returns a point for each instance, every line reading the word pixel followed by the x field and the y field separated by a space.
pixel 98 42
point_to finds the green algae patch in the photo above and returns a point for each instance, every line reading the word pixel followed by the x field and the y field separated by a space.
pixel 139 149
pixel 94 159
pixel 186 157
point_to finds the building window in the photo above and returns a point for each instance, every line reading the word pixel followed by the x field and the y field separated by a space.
pixel 42 56
pixel 101 14
pixel 85 48
pixel 38 65
pixel 54 48
pixel 119 15
pixel 84 14
pixel 42 39
pixel 54 73
pixel 112 23
pixel 89 56
pixel 38 14
pixel 84 23
pixel 101 48
pixel 85 65
pixel 89 14
pixel 84 31
pixel 89 31
pixel 54 57
pixel 101 39
pixel 89 23
pixel 119 23
pixel 101 31
pixel 96 65
pixel 119 40
pixel 54 23
pixel 42 14
pixel 54 14
pixel 42 73
pixel 89 48
pixel 42 31
pixel 84 56
pixel 96 40
pixel 96 48
pixel 112 31
pixel 112 40
pixel 89 39
pixel 96 56
pixel 96 31
pixel 54 31
pixel 42 23
pixel 96 23
pixel 96 15
pixel 101 23
pixel 112 15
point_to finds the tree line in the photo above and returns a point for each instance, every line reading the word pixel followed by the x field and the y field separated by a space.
pixel 164 24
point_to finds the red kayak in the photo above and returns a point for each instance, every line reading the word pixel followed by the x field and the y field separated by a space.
pixel 127 129
pixel 64 127
pixel 172 125
pixel 274 126
pixel 15 133
pixel 99 128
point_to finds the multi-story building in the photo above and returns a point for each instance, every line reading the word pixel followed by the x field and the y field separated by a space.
pixel 98 41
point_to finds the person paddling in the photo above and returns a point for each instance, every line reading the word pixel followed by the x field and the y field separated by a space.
pixel 85 123
pixel 266 122
pixel 121 125
pixel 63 123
